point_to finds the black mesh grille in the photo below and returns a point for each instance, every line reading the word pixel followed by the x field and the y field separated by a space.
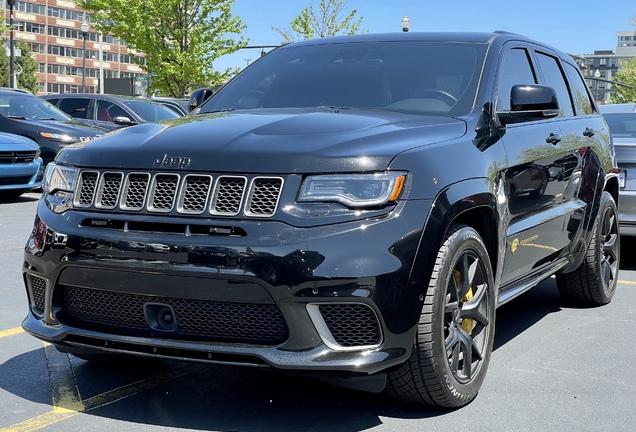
pixel 88 182
pixel 195 194
pixel 164 191
pixel 136 191
pixel 38 289
pixel 179 193
pixel 217 321
pixel 19 180
pixel 351 324
pixel 111 183
pixel 228 196
pixel 264 196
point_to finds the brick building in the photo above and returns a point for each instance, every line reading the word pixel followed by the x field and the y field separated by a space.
pixel 52 28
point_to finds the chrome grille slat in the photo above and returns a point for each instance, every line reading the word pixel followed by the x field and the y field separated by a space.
pixel 163 192
pixel 134 196
pixel 194 194
pixel 263 196
pixel 86 188
pixel 228 195
pixel 188 194
pixel 109 188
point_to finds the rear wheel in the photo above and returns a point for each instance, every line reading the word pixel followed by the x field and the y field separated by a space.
pixel 455 333
pixel 594 281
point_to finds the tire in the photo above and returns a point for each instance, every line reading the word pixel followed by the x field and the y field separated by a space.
pixel 457 321
pixel 593 283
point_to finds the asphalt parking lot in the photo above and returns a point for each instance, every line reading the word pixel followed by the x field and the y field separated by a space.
pixel 554 367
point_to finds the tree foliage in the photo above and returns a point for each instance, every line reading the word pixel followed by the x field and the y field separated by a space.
pixel 330 20
pixel 626 75
pixel 25 64
pixel 180 38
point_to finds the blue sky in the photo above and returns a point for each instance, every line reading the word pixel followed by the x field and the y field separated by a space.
pixel 576 27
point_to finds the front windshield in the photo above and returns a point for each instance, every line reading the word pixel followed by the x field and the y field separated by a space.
pixel 21 106
pixel 151 111
pixel 415 77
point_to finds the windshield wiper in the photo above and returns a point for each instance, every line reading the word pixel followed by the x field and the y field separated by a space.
pixel 218 111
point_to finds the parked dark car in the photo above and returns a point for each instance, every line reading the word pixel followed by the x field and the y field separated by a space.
pixel 342 209
pixel 24 114
pixel 21 167
pixel 621 119
pixel 110 111
pixel 178 105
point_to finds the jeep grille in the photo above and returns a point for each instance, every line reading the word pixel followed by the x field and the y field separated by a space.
pixel 195 194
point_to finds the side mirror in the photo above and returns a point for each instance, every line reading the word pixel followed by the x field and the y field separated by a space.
pixel 198 97
pixel 123 121
pixel 529 103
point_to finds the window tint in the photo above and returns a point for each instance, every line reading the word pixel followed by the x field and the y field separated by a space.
pixel 554 78
pixel 621 125
pixel 107 111
pixel 516 69
pixel 416 77
pixel 580 94
pixel 75 107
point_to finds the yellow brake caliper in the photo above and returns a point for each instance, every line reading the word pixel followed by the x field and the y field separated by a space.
pixel 467 324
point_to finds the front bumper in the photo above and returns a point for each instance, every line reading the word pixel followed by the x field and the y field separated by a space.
pixel 343 292
pixel 21 177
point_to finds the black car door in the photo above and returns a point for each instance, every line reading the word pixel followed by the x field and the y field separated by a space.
pixel 534 188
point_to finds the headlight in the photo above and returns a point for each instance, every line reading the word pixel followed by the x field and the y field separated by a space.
pixel 59 178
pixel 59 137
pixel 354 190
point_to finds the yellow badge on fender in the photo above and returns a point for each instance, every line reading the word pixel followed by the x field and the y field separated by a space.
pixel 514 245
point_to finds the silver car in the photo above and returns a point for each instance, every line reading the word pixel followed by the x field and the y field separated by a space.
pixel 621 119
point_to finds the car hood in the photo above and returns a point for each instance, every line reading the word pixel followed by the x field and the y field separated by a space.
pixel 70 127
pixel 267 141
pixel 11 142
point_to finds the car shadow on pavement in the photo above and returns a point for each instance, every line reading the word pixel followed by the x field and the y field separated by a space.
pixel 628 257
pixel 27 197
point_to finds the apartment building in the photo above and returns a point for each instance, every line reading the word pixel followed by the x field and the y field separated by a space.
pixel 52 28
pixel 602 65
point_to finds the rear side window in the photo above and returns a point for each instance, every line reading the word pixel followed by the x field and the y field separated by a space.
pixel 554 78
pixel 621 125
pixel 580 95
pixel 107 111
pixel 75 107
pixel 516 69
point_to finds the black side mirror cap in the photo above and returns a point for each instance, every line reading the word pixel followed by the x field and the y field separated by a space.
pixel 529 103
pixel 198 97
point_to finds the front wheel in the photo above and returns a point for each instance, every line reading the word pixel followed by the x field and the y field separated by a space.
pixel 594 281
pixel 456 330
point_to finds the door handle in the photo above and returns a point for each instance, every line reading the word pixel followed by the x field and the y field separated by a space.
pixel 589 132
pixel 553 138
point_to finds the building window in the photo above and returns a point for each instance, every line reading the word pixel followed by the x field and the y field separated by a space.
pixel 602 62
pixel 42 87
pixel 30 8
pixel 66 14
pixel 41 67
pixel 37 47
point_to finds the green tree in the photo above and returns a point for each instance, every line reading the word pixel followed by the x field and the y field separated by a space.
pixel 330 20
pixel 25 64
pixel 627 77
pixel 180 38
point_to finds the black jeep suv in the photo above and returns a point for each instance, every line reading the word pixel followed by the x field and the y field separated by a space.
pixel 354 208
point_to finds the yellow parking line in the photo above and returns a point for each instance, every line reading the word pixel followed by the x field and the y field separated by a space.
pixel 627 282
pixel 10 332
pixel 67 401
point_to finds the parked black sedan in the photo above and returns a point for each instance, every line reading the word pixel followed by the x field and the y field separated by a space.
pixel 24 114
pixel 110 111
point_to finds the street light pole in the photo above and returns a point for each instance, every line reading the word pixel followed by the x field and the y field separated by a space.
pixel 12 83
pixel 406 22
pixel 84 27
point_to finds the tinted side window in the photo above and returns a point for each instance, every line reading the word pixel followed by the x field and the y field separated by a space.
pixel 554 78
pixel 53 101
pixel 516 69
pixel 580 94
pixel 107 111
pixel 75 107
